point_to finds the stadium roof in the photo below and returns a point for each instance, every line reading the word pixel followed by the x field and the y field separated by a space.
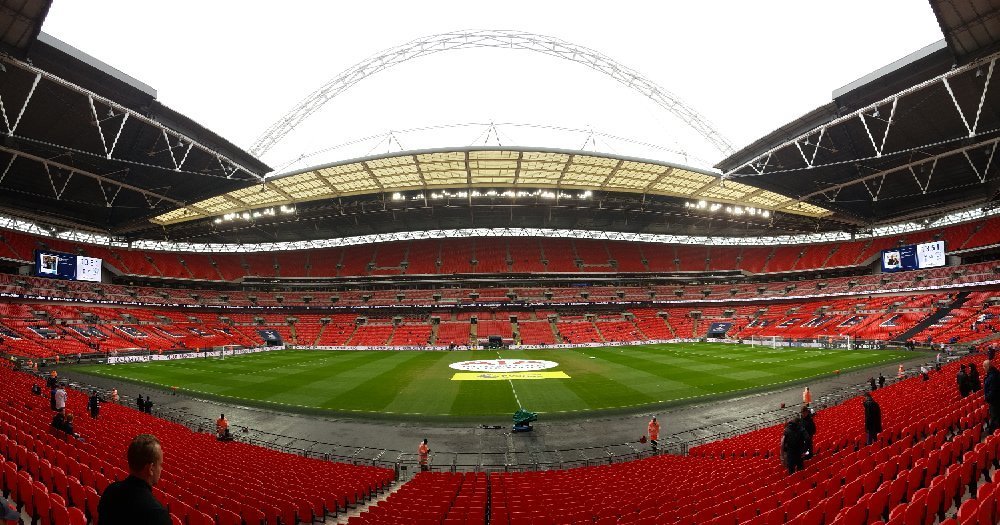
pixel 913 140
pixel 488 169
pixel 85 145
pixel 971 27
pixel 20 23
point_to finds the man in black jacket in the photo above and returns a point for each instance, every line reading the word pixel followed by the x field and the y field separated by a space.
pixel 873 418
pixel 131 500
pixel 809 428
pixel 974 380
pixel 94 405
pixel 991 394
pixel 964 384
pixel 793 445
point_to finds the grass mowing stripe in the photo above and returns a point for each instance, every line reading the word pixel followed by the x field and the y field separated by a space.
pixel 377 390
pixel 411 395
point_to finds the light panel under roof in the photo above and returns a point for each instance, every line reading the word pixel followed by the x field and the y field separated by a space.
pixel 489 168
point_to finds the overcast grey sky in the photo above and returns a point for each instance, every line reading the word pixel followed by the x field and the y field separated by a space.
pixel 749 67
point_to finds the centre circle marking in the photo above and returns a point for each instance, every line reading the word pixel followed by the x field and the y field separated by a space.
pixel 503 365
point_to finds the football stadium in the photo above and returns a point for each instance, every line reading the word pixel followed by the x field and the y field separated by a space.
pixel 507 329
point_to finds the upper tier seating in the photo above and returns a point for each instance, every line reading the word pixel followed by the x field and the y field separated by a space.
pixel 491 255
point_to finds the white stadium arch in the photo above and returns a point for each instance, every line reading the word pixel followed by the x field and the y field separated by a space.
pixel 500 39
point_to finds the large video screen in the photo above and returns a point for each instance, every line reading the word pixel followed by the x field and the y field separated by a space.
pixel 914 257
pixel 67 266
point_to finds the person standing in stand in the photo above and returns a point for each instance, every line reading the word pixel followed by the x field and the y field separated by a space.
pixel 873 418
pixel 423 452
pixel 654 432
pixel 52 382
pixel 60 398
pixel 809 428
pixel 793 443
pixel 964 384
pixel 974 380
pixel 991 394
pixel 94 405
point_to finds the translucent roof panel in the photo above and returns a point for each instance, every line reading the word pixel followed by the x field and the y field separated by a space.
pixel 491 168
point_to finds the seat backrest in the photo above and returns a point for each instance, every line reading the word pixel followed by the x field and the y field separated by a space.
pixel 967 512
pixel 57 509
pixel 76 516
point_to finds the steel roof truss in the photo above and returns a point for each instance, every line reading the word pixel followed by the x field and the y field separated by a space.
pixel 180 145
pixel 761 167
pixel 925 185
pixel 111 201
pixel 836 193
pixel 879 147
pixel 992 142
pixel 69 176
pixel 989 160
pixel 972 128
pixel 758 164
pixel 108 151
pixel 3 109
pixel 6 170
pixel 185 142
pixel 229 170
pixel 811 158
pixel 46 163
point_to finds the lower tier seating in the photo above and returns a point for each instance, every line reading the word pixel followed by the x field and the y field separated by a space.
pixel 930 455
pixel 204 481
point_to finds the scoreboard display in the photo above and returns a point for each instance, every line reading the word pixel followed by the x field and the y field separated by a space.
pixel 67 266
pixel 914 257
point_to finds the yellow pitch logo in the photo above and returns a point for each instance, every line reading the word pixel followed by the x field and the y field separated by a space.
pixel 504 376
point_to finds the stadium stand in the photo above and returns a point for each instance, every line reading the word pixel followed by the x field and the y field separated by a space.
pixel 417 333
pixel 526 256
pixel 149 317
pixel 536 333
pixel 432 497
pixel 448 333
pixel 929 460
pixel 560 254
pixel 491 254
pixel 206 481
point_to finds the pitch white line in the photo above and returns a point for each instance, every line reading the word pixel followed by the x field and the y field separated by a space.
pixel 512 389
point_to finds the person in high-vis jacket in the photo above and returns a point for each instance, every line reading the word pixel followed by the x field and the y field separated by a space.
pixel 654 432
pixel 423 451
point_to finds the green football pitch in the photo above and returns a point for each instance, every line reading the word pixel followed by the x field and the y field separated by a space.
pixel 420 384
